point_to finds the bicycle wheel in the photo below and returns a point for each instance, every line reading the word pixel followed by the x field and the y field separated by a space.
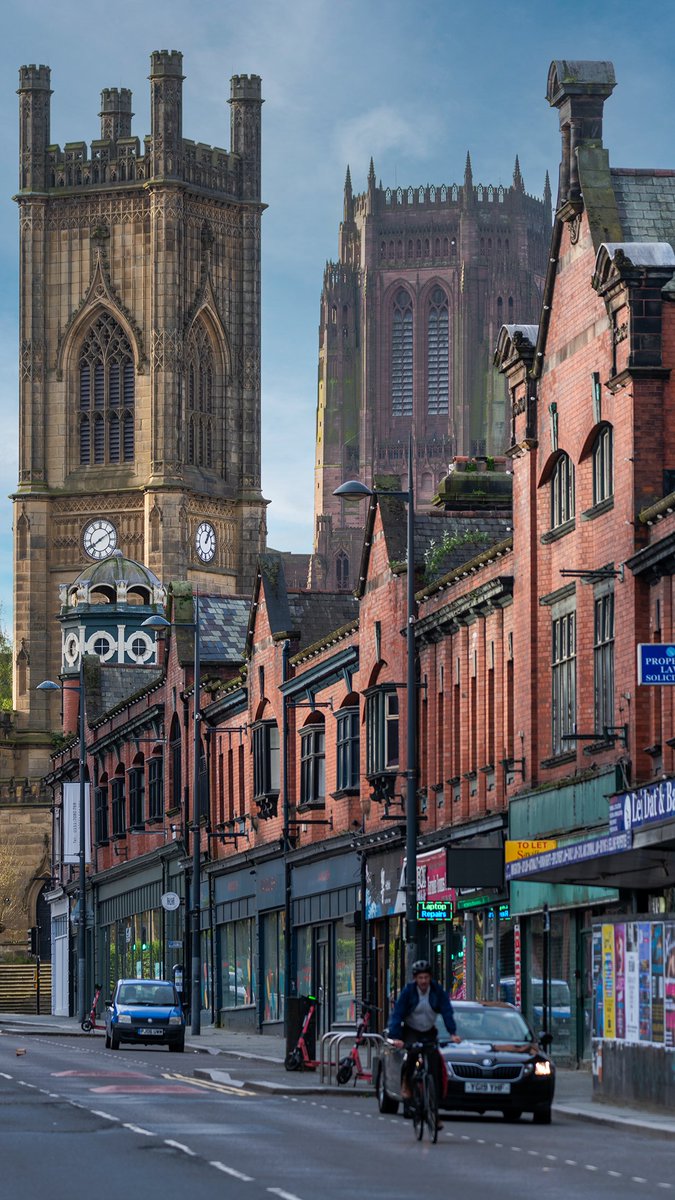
pixel 293 1060
pixel 417 1104
pixel 431 1108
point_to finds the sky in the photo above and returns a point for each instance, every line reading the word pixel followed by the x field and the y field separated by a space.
pixel 414 85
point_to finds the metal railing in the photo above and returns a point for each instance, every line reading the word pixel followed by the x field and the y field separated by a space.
pixel 332 1044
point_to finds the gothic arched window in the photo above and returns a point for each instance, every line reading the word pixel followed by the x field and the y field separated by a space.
pixel 402 355
pixel 437 354
pixel 106 394
pixel 199 392
pixel 342 571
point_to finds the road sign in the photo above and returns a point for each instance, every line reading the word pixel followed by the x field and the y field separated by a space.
pixel 170 901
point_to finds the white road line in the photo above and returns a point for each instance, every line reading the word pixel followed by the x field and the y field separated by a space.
pixel 664 1185
pixel 590 1167
pixel 180 1146
pixel 637 1179
pixel 231 1171
pixel 138 1129
pixel 534 1153
pixel 552 1157
pixel 282 1194
pixel 517 1149
pixel 106 1116
pixel 615 1174
pixel 3 1076
pixel 571 1162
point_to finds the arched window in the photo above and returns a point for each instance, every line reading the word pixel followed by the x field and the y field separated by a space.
pixel 313 763
pixel 176 757
pixel 107 381
pixel 562 492
pixel 342 571
pixel 603 465
pixel 402 356
pixel 199 384
pixel 437 354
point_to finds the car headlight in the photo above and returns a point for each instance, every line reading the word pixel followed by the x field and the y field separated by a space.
pixel 542 1068
pixel 175 1020
pixel 124 1019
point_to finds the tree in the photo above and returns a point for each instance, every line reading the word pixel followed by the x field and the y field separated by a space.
pixel 10 904
pixel 5 668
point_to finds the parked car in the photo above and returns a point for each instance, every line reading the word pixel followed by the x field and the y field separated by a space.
pixel 145 1010
pixel 498 1065
pixel 560 1008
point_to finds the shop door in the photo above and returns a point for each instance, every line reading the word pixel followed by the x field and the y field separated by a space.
pixel 584 994
pixel 322 975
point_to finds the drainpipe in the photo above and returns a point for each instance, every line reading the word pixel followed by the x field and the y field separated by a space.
pixel 289 987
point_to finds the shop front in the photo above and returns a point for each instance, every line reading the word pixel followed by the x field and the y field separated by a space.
pixel 234 965
pixel 326 906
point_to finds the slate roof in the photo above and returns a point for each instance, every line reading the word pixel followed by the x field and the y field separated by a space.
pixel 646 204
pixel 486 529
pixel 643 254
pixel 114 685
pixel 223 621
pixel 316 614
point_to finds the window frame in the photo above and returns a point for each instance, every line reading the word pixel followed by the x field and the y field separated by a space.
pixel 604 633
pixel 266 760
pixel 382 732
pixel 313 765
pixel 603 465
pixel 563 678
pixel 156 787
pixel 348 749
pixel 562 492
pixel 119 810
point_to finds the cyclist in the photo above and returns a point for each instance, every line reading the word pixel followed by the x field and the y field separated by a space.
pixel 414 1020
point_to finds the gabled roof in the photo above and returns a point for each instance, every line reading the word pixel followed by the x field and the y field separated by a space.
pixel 222 628
pixel 303 617
pixel 646 204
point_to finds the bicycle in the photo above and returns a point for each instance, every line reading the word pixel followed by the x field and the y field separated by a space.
pixel 424 1101
pixel 350 1064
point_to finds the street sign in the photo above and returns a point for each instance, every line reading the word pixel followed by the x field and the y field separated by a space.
pixel 170 901
pixel 656 663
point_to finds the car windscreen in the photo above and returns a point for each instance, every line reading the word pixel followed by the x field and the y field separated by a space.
pixel 490 1025
pixel 559 993
pixel 161 995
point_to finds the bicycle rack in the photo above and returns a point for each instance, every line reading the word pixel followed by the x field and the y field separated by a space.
pixel 332 1044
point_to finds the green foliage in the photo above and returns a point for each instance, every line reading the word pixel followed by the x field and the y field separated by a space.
pixel 437 551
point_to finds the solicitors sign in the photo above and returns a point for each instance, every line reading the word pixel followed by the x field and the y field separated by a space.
pixel 656 664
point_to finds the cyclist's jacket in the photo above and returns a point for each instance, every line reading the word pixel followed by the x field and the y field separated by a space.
pixel 408 1001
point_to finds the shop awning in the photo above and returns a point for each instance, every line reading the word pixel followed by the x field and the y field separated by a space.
pixel 627 859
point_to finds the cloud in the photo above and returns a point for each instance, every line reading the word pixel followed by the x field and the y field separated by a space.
pixel 385 129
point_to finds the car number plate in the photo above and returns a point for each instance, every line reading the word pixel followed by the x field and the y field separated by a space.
pixel 151 1032
pixel 485 1086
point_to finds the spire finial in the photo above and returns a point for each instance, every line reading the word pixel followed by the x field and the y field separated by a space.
pixel 547 194
pixel 371 173
pixel 468 173
pixel 517 177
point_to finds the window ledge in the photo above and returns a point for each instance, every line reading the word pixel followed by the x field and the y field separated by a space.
pixel 553 535
pixel 312 806
pixel 103 842
pixel 603 506
pixel 558 760
pixel 155 820
pixel 173 812
pixel 599 746
pixel 340 793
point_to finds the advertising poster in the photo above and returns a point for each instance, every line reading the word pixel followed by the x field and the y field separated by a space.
pixel 598 1022
pixel 645 980
pixel 669 955
pixel 658 1024
pixel 608 989
pixel 632 984
pixel 620 979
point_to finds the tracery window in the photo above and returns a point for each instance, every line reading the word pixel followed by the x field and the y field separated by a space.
pixel 402 355
pixel 107 384
pixel 199 385
pixel 437 354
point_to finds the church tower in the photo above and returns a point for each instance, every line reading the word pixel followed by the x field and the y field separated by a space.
pixel 410 313
pixel 139 358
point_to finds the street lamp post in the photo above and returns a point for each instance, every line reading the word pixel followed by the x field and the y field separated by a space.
pixel 158 622
pixel 355 490
pixel 48 685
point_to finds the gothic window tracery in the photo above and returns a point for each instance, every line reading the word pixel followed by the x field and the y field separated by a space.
pixel 402 355
pixel 200 373
pixel 437 354
pixel 107 387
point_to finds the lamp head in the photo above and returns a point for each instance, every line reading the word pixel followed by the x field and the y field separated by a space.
pixel 353 489
pixel 156 621
pixel 48 685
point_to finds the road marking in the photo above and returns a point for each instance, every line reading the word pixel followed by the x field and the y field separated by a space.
pixel 590 1167
pixel 664 1185
pixel 552 1157
pixel 106 1116
pixel 282 1194
pixel 534 1153
pixel 231 1171
pixel 226 1088
pixel 180 1146
pixel 138 1129
pixel 614 1174
pixel 638 1179
pixel 571 1162
pixel 3 1076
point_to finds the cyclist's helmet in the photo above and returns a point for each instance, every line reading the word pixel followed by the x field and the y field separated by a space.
pixel 421 967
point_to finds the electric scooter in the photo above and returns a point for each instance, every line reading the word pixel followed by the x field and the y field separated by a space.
pixel 298 1059
pixel 89 1022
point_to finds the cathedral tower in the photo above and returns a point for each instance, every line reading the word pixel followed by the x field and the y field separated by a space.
pixel 410 313
pixel 140 356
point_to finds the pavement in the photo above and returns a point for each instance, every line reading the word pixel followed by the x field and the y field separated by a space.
pixel 256 1061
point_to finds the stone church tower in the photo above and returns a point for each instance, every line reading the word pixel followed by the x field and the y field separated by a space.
pixel 140 359
pixel 410 313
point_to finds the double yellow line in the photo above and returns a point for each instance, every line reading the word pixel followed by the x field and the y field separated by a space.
pixel 210 1085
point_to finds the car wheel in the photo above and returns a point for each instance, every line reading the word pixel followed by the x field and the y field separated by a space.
pixel 177 1047
pixel 385 1103
pixel 114 1041
pixel 512 1115
pixel 542 1116
pixel 107 1040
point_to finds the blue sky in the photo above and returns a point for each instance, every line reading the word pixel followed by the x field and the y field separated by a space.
pixel 413 85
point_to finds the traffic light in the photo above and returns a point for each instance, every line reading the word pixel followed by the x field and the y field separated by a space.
pixel 33 940
pixel 144 938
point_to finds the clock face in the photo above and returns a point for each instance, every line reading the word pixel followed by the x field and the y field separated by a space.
pixel 99 538
pixel 205 541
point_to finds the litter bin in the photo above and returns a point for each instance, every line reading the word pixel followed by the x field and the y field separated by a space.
pixel 297 1008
